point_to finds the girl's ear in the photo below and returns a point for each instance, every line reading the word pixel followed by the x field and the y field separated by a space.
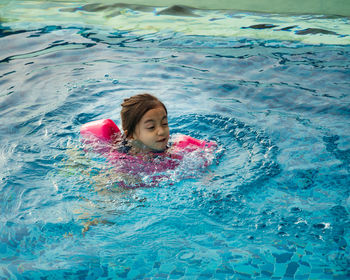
pixel 126 133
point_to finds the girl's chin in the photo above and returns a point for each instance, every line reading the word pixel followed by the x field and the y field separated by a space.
pixel 160 148
pixel 141 147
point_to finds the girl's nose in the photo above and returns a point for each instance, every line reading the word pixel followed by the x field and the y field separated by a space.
pixel 161 130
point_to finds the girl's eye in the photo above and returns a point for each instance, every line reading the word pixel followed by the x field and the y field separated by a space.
pixel 150 128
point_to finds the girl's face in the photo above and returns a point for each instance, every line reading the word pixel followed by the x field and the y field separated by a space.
pixel 153 130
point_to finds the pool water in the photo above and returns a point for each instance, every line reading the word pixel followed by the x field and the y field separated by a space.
pixel 273 204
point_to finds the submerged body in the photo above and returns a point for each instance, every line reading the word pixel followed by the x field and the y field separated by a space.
pixel 134 158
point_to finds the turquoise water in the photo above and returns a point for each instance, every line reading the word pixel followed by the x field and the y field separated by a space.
pixel 274 203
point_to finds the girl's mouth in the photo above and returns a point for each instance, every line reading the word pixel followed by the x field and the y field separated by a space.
pixel 161 140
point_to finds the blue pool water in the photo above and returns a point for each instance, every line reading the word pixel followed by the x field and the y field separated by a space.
pixel 274 204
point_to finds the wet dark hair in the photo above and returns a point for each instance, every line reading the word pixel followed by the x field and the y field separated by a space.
pixel 134 108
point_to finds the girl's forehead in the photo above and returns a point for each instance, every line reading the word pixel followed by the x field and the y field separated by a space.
pixel 156 113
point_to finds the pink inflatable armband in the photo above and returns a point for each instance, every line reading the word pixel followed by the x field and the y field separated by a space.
pixel 105 130
pixel 188 143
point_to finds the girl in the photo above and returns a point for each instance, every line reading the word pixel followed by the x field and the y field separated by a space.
pixel 142 151
pixel 141 156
